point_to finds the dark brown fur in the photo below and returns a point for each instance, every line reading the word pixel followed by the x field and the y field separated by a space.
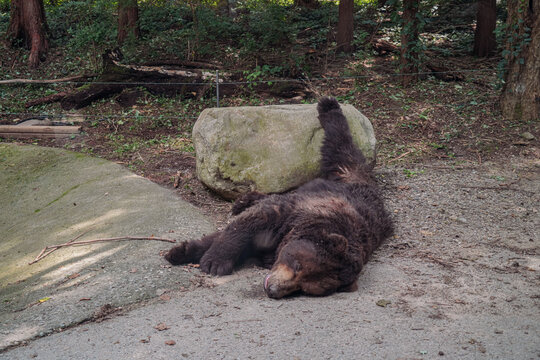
pixel 315 239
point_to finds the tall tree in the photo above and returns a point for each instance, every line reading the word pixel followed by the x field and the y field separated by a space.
pixel 484 36
pixel 128 19
pixel 520 99
pixel 309 4
pixel 28 22
pixel 410 42
pixel 223 7
pixel 345 27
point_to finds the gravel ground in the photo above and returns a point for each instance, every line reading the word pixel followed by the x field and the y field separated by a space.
pixel 460 280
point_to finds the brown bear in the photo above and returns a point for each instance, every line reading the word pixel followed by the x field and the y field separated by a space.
pixel 315 239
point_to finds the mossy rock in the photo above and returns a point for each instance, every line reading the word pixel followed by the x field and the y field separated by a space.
pixel 266 148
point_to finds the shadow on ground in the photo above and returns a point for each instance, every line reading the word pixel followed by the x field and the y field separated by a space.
pixel 50 196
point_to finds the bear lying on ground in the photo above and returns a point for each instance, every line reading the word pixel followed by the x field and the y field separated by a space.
pixel 315 239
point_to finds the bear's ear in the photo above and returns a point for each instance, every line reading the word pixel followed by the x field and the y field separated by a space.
pixel 337 242
pixel 349 274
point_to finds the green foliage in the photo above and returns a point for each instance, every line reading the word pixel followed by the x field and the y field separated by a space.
pixel 313 26
pixel 4 21
pixel 172 31
pixel 267 37
pixel 264 28
pixel 155 19
pixel 262 72
pixel 412 173
pixel 169 31
pixel 87 27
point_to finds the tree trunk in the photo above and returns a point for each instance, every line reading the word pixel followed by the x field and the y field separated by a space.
pixel 484 36
pixel 410 42
pixel 128 20
pixel 223 7
pixel 310 4
pixel 28 23
pixel 520 99
pixel 345 27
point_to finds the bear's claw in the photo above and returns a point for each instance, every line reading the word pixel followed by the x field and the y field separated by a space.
pixel 218 267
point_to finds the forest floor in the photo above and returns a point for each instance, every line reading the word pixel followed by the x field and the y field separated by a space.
pixel 458 121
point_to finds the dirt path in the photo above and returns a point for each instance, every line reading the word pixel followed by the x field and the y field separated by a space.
pixel 459 280
pixel 467 239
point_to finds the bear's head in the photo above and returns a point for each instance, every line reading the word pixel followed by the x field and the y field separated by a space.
pixel 313 267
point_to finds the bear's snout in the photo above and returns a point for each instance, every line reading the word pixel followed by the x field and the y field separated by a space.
pixel 272 289
pixel 280 282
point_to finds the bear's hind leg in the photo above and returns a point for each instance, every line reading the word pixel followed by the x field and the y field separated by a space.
pixel 238 238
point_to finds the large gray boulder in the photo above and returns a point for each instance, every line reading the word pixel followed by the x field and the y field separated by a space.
pixel 266 148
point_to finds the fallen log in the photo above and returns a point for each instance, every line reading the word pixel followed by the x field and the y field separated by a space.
pixel 443 72
pixel 157 80
pixel 384 47
pixel 186 83
pixel 184 63
pixel 47 99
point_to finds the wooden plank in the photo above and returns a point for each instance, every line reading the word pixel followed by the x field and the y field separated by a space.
pixel 14 135
pixel 5 129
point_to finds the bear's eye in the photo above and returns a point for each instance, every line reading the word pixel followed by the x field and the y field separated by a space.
pixel 296 266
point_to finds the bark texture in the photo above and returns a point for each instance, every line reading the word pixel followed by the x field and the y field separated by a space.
pixel 28 23
pixel 345 27
pixel 409 42
pixel 484 36
pixel 223 7
pixel 310 4
pixel 520 99
pixel 128 20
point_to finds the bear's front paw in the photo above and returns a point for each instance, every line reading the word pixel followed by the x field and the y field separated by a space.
pixel 177 255
pixel 216 266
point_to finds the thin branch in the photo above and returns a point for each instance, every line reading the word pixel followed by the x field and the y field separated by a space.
pixel 43 252
pixel 121 238
pixel 400 156
pixel 49 249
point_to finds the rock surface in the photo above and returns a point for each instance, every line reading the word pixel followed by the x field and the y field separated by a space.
pixel 266 148
pixel 51 196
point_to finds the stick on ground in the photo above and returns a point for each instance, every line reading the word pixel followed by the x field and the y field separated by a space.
pixel 49 249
